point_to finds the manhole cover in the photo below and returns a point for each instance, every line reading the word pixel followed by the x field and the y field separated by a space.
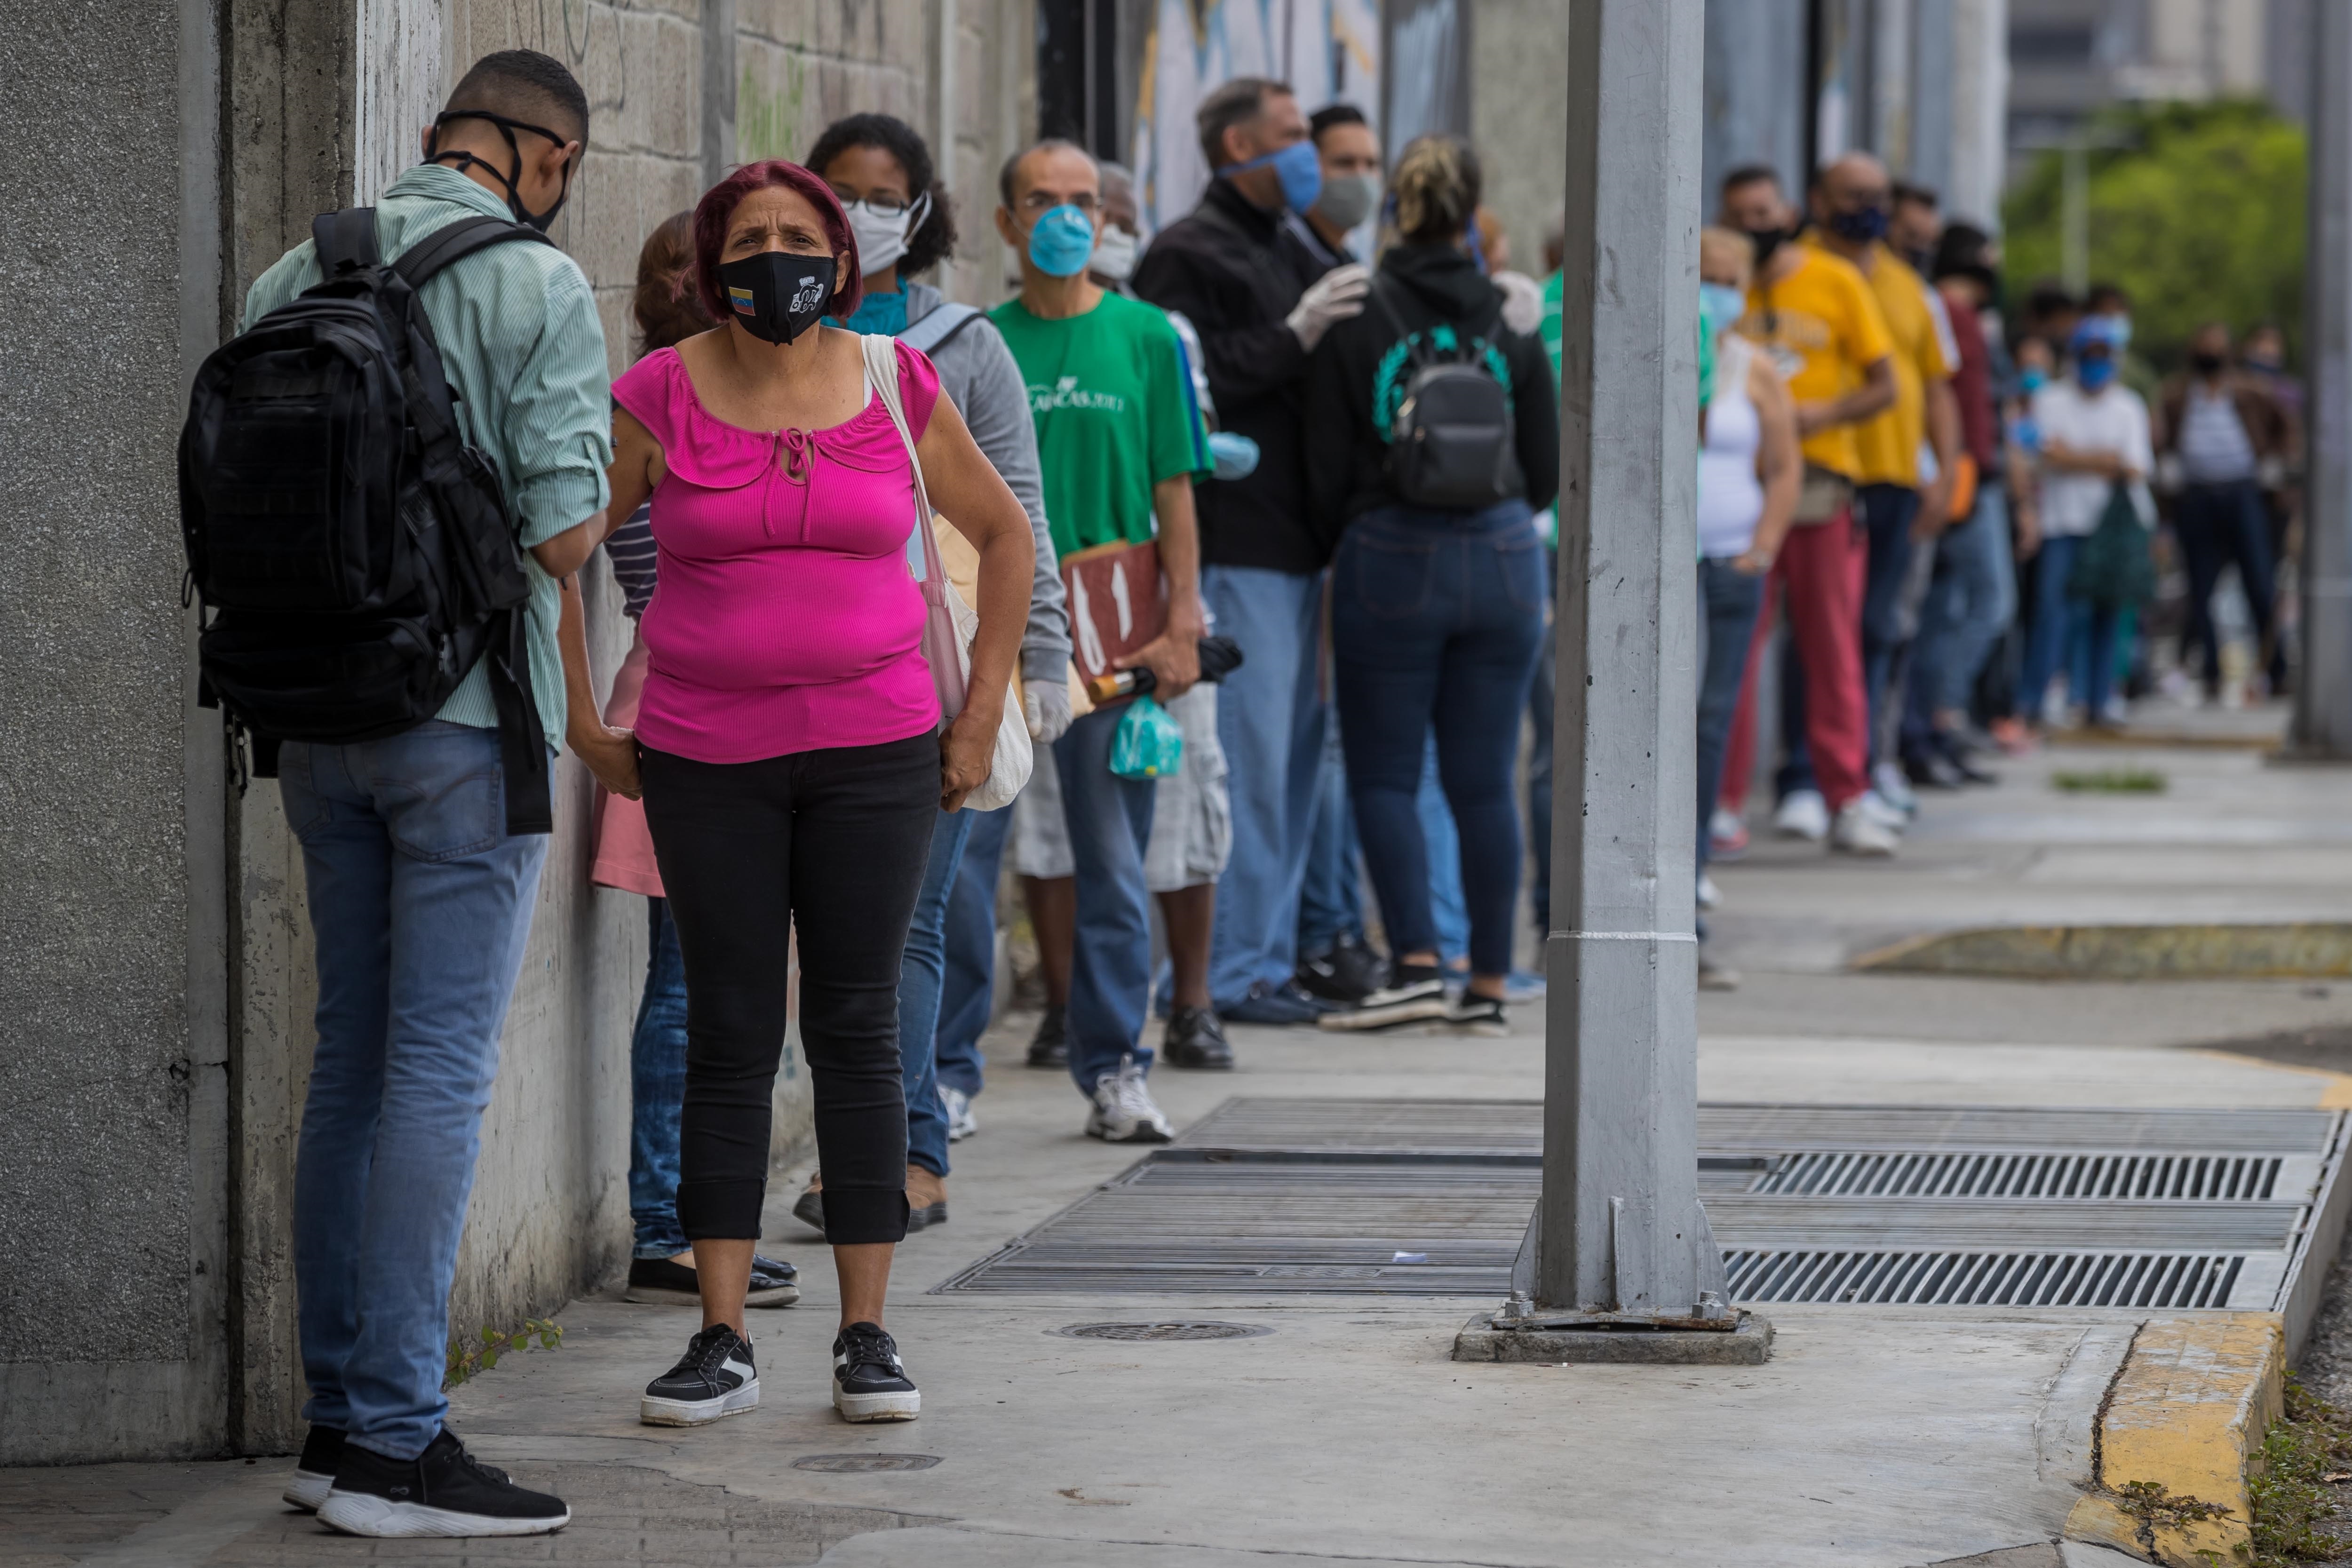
pixel 1176 1329
pixel 855 1464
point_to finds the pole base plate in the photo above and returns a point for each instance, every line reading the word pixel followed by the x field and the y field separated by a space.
pixel 1749 1343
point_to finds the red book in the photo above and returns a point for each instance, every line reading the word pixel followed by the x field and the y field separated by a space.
pixel 1118 602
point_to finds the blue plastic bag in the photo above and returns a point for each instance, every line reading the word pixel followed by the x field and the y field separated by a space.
pixel 1148 744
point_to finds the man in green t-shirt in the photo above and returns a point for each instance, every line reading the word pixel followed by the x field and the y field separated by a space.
pixel 1119 446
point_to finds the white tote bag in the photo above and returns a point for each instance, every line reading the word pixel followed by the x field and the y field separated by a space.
pixel 949 624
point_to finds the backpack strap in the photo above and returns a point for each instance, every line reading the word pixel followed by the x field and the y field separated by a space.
pixel 345 239
pixel 939 327
pixel 1416 352
pixel 459 241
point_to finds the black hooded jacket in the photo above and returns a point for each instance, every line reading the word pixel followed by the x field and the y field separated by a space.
pixel 1235 275
pixel 1346 447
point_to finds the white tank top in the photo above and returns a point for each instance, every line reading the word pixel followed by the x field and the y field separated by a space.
pixel 1730 496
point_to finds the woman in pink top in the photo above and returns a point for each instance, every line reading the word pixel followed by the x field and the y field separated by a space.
pixel 789 743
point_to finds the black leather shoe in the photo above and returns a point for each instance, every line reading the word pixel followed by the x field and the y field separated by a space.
pixel 1050 1045
pixel 1931 769
pixel 1196 1040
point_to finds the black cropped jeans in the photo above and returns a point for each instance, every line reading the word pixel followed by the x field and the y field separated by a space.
pixel 833 843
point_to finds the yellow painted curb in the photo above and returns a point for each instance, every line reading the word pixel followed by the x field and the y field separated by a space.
pixel 2310 951
pixel 2180 1427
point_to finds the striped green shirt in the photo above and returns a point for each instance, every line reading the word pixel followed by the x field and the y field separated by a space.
pixel 521 345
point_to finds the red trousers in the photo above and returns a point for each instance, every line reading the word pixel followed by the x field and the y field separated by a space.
pixel 1818 576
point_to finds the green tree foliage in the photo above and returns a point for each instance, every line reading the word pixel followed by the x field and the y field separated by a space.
pixel 2200 214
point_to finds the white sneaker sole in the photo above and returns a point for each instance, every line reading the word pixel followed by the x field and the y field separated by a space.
pixel 654 1412
pixel 1140 1133
pixel 1434 1008
pixel 862 1407
pixel 659 1296
pixel 308 1489
pixel 362 1513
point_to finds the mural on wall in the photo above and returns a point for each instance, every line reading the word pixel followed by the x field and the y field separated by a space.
pixel 400 45
pixel 1328 49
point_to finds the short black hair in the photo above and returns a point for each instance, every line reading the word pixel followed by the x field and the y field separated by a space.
pixel 1332 115
pixel 1749 174
pixel 1013 164
pixel 1960 252
pixel 2050 299
pixel 1234 102
pixel 523 84
pixel 933 239
pixel 1904 190
pixel 2099 296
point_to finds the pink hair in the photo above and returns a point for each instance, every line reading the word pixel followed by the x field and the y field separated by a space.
pixel 717 208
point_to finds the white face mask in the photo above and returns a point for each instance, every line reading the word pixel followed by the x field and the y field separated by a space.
pixel 1114 254
pixel 882 240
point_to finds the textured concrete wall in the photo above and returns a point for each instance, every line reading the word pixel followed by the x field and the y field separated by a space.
pixel 1519 116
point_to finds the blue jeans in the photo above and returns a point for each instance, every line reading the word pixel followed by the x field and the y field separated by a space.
pixel 657 1091
pixel 967 993
pixel 1436 618
pixel 922 978
pixel 1270 722
pixel 2069 628
pixel 2219 524
pixel 1443 847
pixel 1109 819
pixel 1728 602
pixel 1330 904
pixel 1971 601
pixel 421 904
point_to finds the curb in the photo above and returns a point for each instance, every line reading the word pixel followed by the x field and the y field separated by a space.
pixel 2309 950
pixel 2177 1437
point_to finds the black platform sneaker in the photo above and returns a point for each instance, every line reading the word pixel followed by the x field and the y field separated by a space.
pixel 716 1377
pixel 443 1492
pixel 869 1383
pixel 314 1472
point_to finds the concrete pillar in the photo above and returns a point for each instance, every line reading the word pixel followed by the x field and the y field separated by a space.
pixel 1620 1227
pixel 2323 705
pixel 1930 74
pixel 1755 92
pixel 1978 71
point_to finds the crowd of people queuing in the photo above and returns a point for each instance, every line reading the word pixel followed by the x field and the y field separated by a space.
pixel 1188 505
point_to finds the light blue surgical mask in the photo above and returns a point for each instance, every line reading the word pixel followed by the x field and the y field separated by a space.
pixel 2031 379
pixel 2092 374
pixel 1062 241
pixel 1299 167
pixel 1720 305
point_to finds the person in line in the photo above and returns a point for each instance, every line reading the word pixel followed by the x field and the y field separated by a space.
pixel 1972 594
pixel 1437 613
pixel 1818 320
pixel 1750 467
pixel 790 747
pixel 2228 436
pixel 880 169
pixel 1348 154
pixel 669 310
pixel 2034 363
pixel 1229 270
pixel 419 901
pixel 1119 445
pixel 1914 224
pixel 2262 356
pixel 2093 435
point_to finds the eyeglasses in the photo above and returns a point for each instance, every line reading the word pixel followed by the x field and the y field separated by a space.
pixel 880 206
pixel 1037 202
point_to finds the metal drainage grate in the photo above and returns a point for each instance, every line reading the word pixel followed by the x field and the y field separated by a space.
pixel 860 1464
pixel 1982 1174
pixel 1984 1279
pixel 1175 1329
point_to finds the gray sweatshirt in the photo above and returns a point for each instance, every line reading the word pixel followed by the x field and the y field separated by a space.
pixel 977 370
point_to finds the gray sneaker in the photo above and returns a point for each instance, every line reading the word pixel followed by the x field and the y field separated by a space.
pixel 1124 1109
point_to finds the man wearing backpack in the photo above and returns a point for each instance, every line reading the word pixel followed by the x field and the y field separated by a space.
pixel 420 892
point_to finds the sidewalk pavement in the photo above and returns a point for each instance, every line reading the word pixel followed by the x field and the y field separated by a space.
pixel 1886 1437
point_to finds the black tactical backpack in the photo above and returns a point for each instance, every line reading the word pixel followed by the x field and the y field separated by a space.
pixel 353 556
pixel 1451 441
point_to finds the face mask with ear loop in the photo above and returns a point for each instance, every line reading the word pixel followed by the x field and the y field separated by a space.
pixel 514 183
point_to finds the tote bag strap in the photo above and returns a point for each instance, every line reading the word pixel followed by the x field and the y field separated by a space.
pixel 881 354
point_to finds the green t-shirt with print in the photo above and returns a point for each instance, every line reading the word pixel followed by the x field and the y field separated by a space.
pixel 1107 392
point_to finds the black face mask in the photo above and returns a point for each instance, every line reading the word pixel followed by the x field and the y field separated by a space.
pixel 2207 364
pixel 514 183
pixel 1767 241
pixel 777 295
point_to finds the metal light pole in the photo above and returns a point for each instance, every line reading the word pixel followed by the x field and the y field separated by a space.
pixel 1618 1242
pixel 2322 698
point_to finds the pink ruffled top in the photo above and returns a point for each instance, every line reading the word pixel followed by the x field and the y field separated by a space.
pixel 784 615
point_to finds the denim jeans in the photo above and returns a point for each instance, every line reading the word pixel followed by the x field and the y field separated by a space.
pixel 968 987
pixel 421 904
pixel 656 1090
pixel 1443 847
pixel 1270 722
pixel 1436 618
pixel 1331 901
pixel 1729 600
pixel 2067 628
pixel 1109 819
pixel 2219 524
pixel 1971 601
pixel 922 979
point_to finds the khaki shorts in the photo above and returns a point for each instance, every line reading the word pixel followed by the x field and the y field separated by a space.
pixel 1191 814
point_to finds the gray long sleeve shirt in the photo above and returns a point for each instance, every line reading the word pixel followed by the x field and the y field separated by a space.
pixel 978 372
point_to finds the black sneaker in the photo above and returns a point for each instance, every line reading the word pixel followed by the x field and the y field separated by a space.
pixel 314 1472
pixel 1276 1006
pixel 1346 975
pixel 1415 993
pixel 665 1281
pixel 715 1377
pixel 869 1383
pixel 1195 1039
pixel 1479 1015
pixel 443 1492
pixel 1050 1045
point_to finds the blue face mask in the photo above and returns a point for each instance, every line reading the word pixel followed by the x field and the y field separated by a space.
pixel 1719 305
pixel 2095 373
pixel 1297 165
pixel 883 313
pixel 1062 241
pixel 1859 227
pixel 2031 379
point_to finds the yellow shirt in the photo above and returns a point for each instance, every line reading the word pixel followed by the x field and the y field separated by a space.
pixel 1822 326
pixel 1924 352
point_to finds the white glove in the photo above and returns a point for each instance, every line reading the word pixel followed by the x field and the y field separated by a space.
pixel 1045 705
pixel 1334 297
pixel 1522 301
